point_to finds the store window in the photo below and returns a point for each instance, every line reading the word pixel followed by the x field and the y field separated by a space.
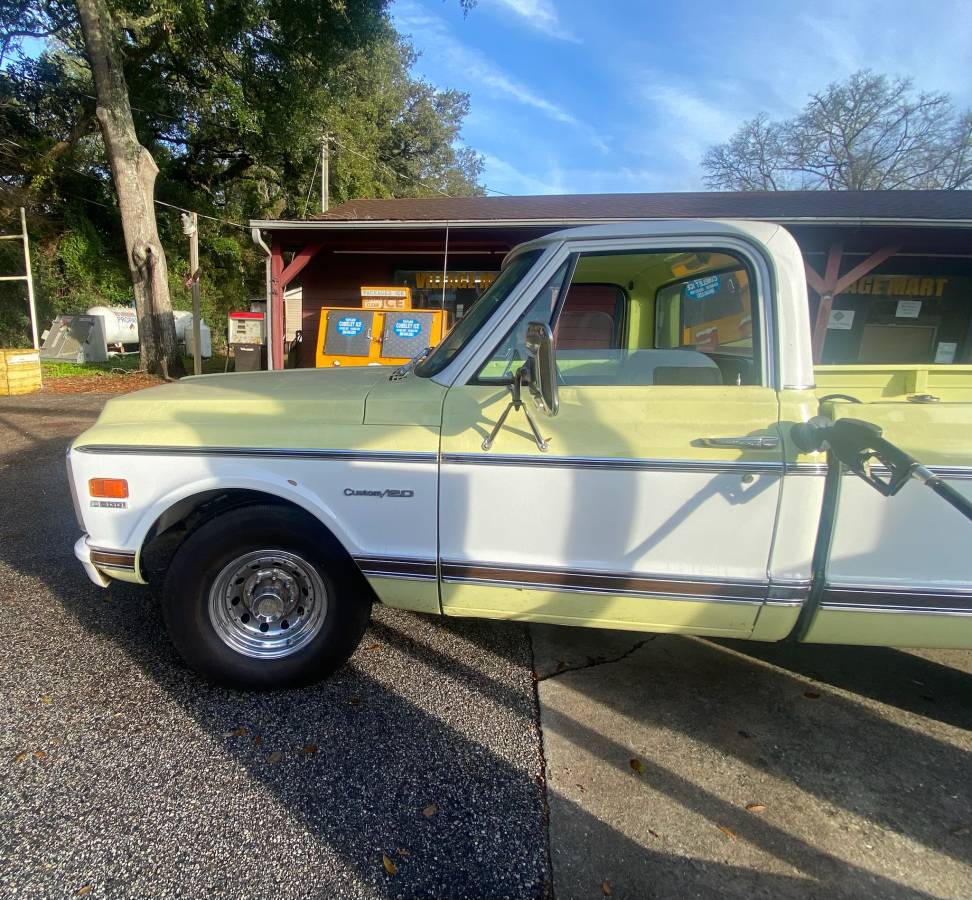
pixel 462 289
pixel 899 319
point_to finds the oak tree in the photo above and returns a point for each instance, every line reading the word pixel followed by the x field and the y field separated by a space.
pixel 869 132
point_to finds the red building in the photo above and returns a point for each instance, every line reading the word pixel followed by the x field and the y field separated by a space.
pixel 890 271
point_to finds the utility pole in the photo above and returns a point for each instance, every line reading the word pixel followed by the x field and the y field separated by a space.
pixel 190 227
pixel 325 174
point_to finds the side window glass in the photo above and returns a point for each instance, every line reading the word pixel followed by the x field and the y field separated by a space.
pixel 511 352
pixel 646 318
pixel 592 317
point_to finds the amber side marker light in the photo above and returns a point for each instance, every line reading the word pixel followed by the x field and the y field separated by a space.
pixel 114 488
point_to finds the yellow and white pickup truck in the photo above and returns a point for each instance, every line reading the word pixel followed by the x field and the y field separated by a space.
pixel 606 439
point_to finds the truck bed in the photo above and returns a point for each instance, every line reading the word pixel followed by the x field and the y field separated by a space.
pixel 937 432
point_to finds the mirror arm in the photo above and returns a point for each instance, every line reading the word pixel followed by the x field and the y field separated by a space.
pixel 516 402
pixel 541 443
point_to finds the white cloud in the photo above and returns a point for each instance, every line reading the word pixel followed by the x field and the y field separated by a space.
pixel 554 178
pixel 504 176
pixel 680 125
pixel 470 66
pixel 538 14
pixel 481 70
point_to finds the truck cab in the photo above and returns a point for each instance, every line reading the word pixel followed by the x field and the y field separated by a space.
pixel 660 489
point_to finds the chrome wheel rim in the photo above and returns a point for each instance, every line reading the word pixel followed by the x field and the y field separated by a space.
pixel 267 604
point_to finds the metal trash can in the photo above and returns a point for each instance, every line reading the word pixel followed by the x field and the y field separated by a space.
pixel 249 357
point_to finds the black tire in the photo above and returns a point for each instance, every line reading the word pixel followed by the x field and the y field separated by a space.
pixel 228 537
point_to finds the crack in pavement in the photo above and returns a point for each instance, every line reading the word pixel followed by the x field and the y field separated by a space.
pixel 548 889
pixel 594 662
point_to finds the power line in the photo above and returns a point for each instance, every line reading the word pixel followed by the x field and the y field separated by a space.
pixel 388 169
pixel 203 215
pixel 377 161
pixel 148 112
pixel 159 202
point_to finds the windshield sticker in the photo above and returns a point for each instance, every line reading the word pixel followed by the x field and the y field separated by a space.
pixel 407 328
pixel 701 288
pixel 349 326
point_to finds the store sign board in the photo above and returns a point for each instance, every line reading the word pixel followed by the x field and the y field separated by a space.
pixel 945 352
pixel 391 296
pixel 899 286
pixel 425 281
pixel 841 320
pixel 908 309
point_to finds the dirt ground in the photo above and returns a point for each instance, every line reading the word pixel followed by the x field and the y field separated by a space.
pixel 99 384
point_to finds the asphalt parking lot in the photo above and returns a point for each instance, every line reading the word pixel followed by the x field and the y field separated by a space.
pixel 670 767
pixel 126 775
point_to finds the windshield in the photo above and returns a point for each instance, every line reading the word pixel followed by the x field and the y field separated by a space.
pixel 481 312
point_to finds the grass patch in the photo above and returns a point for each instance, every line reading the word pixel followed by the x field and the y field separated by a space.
pixel 120 365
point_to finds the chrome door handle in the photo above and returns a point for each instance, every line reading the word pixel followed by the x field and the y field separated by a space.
pixel 767 442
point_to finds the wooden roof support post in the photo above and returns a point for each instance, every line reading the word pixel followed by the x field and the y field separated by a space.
pixel 280 278
pixel 833 283
pixel 825 287
pixel 276 310
pixel 301 258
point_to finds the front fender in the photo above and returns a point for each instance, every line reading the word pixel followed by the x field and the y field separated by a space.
pixel 376 507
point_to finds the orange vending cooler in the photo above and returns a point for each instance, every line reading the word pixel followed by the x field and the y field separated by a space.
pixel 384 331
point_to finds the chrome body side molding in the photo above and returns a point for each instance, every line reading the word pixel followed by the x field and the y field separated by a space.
pixel 612 463
pixel 595 582
pixel 389 567
pixel 261 453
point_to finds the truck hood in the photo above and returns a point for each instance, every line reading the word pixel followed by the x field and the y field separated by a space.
pixel 298 408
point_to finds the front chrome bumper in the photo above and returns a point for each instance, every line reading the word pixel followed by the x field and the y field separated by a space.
pixel 83 552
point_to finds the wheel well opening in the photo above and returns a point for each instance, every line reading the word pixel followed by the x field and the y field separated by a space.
pixel 183 518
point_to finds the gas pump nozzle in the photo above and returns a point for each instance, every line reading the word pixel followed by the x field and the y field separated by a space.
pixel 859 445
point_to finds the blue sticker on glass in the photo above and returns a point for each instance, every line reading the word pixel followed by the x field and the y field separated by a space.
pixel 701 288
pixel 349 326
pixel 407 328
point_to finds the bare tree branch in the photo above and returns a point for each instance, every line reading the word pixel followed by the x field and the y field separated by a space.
pixel 866 133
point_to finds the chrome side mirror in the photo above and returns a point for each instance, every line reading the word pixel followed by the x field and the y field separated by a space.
pixel 538 377
pixel 541 377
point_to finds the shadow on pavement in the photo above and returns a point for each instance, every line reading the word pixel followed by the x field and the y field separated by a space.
pixel 444 715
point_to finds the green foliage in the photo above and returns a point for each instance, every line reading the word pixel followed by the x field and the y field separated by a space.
pixel 57 369
pixel 232 98
pixel 91 273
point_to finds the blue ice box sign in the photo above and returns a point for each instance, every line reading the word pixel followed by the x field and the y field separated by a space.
pixel 701 288
pixel 349 326
pixel 407 328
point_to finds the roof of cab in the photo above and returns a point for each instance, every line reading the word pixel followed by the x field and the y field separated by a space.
pixel 762 232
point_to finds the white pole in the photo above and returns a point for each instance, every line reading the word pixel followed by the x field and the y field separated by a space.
pixel 445 267
pixel 30 279
pixel 196 314
pixel 325 166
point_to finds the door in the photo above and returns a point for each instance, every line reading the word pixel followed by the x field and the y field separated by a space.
pixel 653 506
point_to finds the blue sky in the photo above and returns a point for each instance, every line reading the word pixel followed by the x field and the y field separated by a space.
pixel 585 96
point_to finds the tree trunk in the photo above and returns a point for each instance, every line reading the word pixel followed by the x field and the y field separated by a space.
pixel 134 173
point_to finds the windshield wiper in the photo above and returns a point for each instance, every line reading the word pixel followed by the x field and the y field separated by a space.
pixel 402 371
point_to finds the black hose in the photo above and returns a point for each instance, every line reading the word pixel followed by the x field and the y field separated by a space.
pixel 950 495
